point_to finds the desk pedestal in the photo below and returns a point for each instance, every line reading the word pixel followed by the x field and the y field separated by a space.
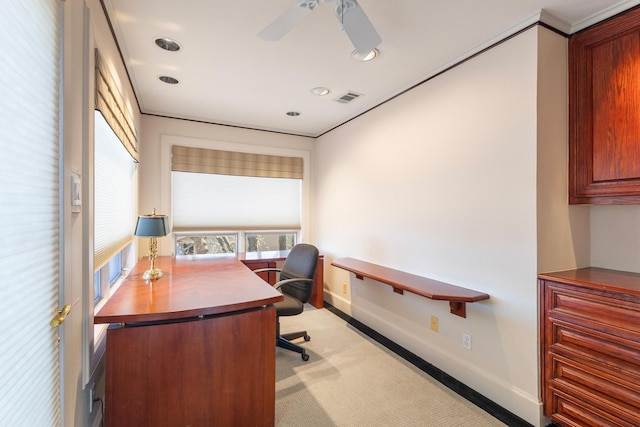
pixel 216 371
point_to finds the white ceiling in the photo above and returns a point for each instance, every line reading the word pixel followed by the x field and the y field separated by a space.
pixel 230 76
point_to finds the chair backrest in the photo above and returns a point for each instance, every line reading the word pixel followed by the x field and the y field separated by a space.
pixel 300 263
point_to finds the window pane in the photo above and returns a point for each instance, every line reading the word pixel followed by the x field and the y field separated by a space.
pixel 264 242
pixel 97 295
pixel 115 268
pixel 206 244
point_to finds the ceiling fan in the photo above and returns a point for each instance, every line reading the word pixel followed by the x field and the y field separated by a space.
pixel 349 13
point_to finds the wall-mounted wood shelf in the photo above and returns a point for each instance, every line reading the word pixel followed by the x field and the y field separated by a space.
pixel 401 281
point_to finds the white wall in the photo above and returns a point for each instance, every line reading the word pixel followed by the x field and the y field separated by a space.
pixel 563 230
pixel 615 237
pixel 442 182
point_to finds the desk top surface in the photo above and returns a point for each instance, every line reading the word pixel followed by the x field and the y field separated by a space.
pixel 189 287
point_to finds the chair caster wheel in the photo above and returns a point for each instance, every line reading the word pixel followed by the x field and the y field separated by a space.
pixel 307 338
pixel 305 356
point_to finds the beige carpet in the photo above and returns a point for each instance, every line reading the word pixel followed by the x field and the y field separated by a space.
pixel 350 380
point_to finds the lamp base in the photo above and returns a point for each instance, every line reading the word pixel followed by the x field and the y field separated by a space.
pixel 152 274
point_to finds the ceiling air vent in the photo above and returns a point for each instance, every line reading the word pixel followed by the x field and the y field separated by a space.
pixel 348 97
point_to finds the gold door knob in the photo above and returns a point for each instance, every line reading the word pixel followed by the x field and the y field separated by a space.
pixel 61 314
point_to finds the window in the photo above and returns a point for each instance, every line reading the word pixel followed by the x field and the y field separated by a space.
pixel 193 244
pixel 115 268
pixel 206 244
pixel 267 242
pixel 107 278
pixel 31 34
pixel 113 222
pixel 110 206
pixel 113 193
pixel 231 202
pixel 113 207
pixel 97 290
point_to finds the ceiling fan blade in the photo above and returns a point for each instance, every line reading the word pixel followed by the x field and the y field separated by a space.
pixel 358 27
pixel 289 19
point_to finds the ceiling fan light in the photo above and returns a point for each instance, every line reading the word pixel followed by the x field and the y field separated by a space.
pixel 364 57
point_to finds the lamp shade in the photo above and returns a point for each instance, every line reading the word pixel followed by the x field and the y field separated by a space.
pixel 152 226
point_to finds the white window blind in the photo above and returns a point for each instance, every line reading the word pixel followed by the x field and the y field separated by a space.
pixel 113 196
pixel 203 201
pixel 29 212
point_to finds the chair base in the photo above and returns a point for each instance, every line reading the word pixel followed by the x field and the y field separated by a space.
pixel 283 341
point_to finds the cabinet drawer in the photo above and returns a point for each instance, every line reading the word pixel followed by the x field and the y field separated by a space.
pixel 611 350
pixel 590 350
pixel 575 412
pixel 607 311
pixel 602 386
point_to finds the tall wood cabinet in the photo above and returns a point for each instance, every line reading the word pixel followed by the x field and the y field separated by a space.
pixel 604 112
pixel 590 347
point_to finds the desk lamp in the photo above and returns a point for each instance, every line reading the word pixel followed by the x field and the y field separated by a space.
pixel 152 226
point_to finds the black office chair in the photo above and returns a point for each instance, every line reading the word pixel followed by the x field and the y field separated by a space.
pixel 296 285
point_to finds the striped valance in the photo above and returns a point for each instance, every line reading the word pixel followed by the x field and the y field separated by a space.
pixel 111 105
pixel 202 160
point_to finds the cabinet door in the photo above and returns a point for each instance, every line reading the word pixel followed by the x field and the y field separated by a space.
pixel 604 108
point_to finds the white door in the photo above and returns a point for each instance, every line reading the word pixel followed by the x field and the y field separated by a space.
pixel 29 212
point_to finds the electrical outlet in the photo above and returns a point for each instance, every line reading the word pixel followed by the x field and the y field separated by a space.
pixel 434 323
pixel 466 340
pixel 344 288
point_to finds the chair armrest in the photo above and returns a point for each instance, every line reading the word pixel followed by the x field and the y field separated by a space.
pixel 284 282
pixel 260 270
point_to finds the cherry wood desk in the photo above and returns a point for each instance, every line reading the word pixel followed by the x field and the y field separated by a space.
pixel 256 260
pixel 195 347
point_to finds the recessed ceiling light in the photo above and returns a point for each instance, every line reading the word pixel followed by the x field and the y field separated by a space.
pixel 293 113
pixel 169 80
pixel 320 91
pixel 364 57
pixel 168 44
